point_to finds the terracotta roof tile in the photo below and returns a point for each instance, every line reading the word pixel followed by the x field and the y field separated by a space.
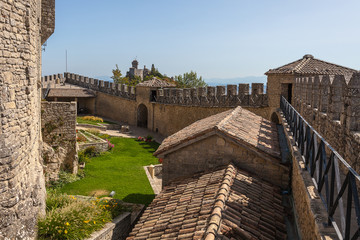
pixel 238 124
pixel 155 82
pixel 227 202
pixel 310 65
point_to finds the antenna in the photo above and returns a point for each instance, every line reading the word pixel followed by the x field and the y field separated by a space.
pixel 66 60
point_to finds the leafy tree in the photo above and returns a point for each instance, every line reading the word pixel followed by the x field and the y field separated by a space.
pixel 117 76
pixel 188 80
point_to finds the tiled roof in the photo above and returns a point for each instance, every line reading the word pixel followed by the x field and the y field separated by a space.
pixel 238 124
pixel 155 82
pixel 310 65
pixel 78 92
pixel 227 202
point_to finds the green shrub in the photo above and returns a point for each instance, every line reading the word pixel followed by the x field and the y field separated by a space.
pixel 87 153
pixel 82 157
pixel 64 178
pixel 114 206
pixel 55 199
pixel 104 136
pixel 92 118
pixel 91 151
pixel 94 131
pixel 75 220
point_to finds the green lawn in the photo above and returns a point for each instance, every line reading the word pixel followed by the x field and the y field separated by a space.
pixel 80 120
pixel 120 171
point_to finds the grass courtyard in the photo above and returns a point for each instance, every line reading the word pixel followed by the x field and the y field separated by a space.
pixel 120 170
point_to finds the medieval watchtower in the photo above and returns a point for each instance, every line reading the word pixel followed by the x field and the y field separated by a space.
pixel 281 80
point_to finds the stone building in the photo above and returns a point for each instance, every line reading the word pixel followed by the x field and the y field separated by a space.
pixel 70 93
pixel 134 71
pixel 25 25
pixel 281 80
pixel 239 136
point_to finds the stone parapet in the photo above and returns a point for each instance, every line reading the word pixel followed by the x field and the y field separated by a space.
pixel 119 90
pixel 219 96
pixel 331 104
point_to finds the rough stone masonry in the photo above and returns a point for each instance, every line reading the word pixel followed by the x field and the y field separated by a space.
pixel 22 189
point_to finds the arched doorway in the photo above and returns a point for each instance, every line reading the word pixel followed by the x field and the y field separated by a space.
pixel 142 116
pixel 275 118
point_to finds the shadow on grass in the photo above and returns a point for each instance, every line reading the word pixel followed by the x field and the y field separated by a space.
pixel 139 198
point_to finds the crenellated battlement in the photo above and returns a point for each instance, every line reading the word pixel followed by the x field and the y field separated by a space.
pixel 336 96
pixel 119 90
pixel 219 96
pixel 52 80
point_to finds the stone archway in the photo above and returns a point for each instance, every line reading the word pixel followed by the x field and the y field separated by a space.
pixel 142 116
pixel 275 118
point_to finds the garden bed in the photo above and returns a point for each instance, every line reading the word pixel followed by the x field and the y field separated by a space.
pixel 96 122
pixel 71 217
pixel 86 139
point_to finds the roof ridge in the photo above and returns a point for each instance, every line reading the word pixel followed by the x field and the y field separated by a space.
pixel 335 64
pixel 302 63
pixel 227 118
pixel 219 206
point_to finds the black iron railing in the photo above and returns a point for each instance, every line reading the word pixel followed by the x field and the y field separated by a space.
pixel 324 164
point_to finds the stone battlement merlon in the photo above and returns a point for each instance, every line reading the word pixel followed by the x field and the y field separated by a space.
pixel 337 96
pixel 219 96
pixel 119 90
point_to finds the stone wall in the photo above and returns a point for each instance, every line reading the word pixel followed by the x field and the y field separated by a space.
pixel 310 212
pixel 58 127
pixel 115 108
pixel 47 19
pixel 173 109
pixel 331 104
pixel 275 89
pixel 198 157
pixel 220 96
pixel 118 229
pixel 22 185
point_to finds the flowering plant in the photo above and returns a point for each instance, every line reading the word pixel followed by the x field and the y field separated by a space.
pixel 110 145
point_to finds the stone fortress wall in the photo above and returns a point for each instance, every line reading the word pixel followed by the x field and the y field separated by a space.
pixel 58 128
pixel 331 104
pixel 172 109
pixel 22 186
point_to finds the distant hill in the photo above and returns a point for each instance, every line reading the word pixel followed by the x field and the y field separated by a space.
pixel 225 81
pixel 105 78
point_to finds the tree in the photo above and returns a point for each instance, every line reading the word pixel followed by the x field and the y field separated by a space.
pixel 188 80
pixel 117 76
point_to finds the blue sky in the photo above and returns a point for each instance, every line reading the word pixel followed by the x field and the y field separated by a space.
pixel 216 38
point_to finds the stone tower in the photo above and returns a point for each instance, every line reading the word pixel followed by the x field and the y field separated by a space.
pixel 135 64
pixel 25 25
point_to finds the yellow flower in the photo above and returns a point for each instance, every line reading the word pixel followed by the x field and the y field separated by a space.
pixel 94 222
pixel 67 224
pixel 65 231
pixel 59 231
pixel 87 221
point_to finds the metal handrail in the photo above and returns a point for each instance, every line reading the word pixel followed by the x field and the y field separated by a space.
pixel 324 170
